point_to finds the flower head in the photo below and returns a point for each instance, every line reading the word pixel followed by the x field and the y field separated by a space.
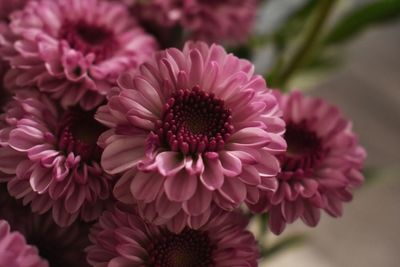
pixel 14 252
pixel 191 130
pixel 207 20
pixel 321 167
pixel 123 239
pixel 73 49
pixel 60 247
pixel 51 158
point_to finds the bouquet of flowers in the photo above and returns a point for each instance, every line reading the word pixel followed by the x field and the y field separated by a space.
pixel 137 133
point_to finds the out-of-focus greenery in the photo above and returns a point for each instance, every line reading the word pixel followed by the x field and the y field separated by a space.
pixel 308 41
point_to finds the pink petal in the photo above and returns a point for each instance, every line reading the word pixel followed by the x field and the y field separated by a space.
pixel 180 187
pixel 311 215
pixel 200 201
pixel 251 136
pixel 146 185
pixel 233 190
pixel 122 154
pixel 232 166
pixel 212 177
pixel 292 210
pixel 169 163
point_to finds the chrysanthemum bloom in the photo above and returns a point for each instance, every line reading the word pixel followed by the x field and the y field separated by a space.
pixel 73 49
pixel 58 246
pixel 191 130
pixel 122 238
pixel 14 252
pixel 208 20
pixel 321 167
pixel 52 158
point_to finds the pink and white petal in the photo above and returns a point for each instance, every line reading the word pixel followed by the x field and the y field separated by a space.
pixel 168 163
pixel 251 136
pixel 232 165
pixel 123 154
pixel 212 176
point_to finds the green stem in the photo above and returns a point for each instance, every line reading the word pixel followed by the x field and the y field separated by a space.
pixel 306 45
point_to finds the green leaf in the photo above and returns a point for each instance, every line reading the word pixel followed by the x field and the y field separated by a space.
pixel 361 18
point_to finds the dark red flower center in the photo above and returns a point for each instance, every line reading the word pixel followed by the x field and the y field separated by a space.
pixel 187 249
pixel 78 132
pixel 89 38
pixel 304 147
pixel 194 122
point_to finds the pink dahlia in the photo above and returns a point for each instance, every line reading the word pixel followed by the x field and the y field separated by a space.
pixel 190 130
pixel 73 49
pixel 208 20
pixel 321 167
pixel 14 252
pixel 51 158
pixel 123 239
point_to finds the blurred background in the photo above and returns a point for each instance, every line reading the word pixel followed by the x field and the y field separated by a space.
pixel 360 73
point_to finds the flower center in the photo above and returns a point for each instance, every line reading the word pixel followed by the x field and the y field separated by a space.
pixel 88 38
pixel 187 249
pixel 304 148
pixel 194 122
pixel 78 132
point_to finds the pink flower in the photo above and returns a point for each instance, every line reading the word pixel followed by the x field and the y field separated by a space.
pixel 321 167
pixel 14 252
pixel 123 239
pixel 51 158
pixel 61 247
pixel 208 20
pixel 73 49
pixel 191 130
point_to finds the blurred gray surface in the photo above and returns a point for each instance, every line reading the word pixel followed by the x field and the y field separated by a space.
pixel 367 88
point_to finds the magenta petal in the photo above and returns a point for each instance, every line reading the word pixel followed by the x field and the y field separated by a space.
pixel 75 199
pixel 250 176
pixel 292 210
pixel 122 190
pixel 169 163
pixel 24 139
pixel 212 177
pixel 196 222
pixel 233 190
pixel 232 166
pixel 146 185
pixel 122 154
pixel 276 221
pixel 200 202
pixel 167 208
pixel 251 136
pixel 180 187
pixel 311 215
pixel 41 179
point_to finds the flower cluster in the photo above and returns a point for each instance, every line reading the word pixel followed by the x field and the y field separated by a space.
pixel 114 153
